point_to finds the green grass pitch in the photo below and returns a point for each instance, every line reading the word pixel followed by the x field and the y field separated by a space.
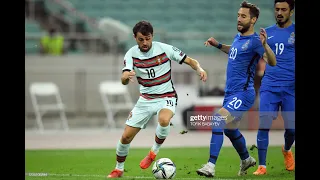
pixel 96 164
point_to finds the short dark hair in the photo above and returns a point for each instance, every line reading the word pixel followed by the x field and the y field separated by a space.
pixel 253 9
pixel 290 2
pixel 144 27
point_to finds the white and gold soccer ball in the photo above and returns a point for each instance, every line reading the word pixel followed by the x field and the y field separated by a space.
pixel 164 168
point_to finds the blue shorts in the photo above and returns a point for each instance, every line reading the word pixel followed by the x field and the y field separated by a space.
pixel 239 102
pixel 271 99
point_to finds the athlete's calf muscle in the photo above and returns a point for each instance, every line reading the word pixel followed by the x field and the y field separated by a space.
pixel 128 134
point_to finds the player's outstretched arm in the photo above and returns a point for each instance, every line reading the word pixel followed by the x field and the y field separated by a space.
pixel 213 42
pixel 269 55
pixel 127 76
pixel 194 64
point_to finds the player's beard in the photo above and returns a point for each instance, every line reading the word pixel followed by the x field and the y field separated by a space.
pixel 282 21
pixel 245 27
pixel 144 48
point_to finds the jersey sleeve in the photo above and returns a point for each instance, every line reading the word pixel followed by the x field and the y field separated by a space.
pixel 127 62
pixel 174 53
pixel 258 48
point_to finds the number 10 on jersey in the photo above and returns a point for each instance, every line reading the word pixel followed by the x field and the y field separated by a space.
pixel 151 73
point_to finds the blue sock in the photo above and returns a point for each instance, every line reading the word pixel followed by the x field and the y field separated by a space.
pixel 216 140
pixel 265 123
pixel 263 143
pixel 238 142
pixel 289 137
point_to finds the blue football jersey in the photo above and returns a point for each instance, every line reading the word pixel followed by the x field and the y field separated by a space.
pixel 244 54
pixel 282 42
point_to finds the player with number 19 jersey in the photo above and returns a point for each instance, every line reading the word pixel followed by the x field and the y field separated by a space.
pixel 282 43
pixel 278 83
pixel 278 90
pixel 244 55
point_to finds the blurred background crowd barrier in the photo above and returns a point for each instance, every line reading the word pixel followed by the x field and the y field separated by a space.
pixel 64 46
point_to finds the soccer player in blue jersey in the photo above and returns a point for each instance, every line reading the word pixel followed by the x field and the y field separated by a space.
pixel 243 55
pixel 278 86
pixel 150 62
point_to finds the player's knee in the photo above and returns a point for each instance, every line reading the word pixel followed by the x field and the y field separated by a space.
pixel 218 123
pixel 164 117
pixel 289 121
pixel 289 132
pixel 224 114
pixel 265 121
pixel 164 122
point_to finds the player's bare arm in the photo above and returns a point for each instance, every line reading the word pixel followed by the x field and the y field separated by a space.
pixel 269 55
pixel 194 64
pixel 127 76
pixel 213 42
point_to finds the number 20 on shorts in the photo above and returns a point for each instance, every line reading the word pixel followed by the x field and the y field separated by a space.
pixel 235 103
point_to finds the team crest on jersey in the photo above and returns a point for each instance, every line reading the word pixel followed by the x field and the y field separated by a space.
pixel 158 60
pixel 245 45
pixel 124 63
pixel 291 39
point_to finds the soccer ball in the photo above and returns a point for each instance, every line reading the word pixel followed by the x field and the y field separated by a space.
pixel 164 168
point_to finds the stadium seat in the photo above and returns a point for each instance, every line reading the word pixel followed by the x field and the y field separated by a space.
pixel 178 16
pixel 109 89
pixel 32 27
pixel 47 89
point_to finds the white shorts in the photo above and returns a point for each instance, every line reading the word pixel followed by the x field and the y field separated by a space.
pixel 144 110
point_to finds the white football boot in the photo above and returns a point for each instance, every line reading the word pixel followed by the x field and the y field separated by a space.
pixel 245 165
pixel 207 170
